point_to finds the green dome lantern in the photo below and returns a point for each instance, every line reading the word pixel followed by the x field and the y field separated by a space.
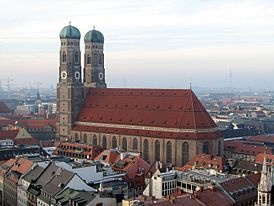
pixel 94 36
pixel 70 32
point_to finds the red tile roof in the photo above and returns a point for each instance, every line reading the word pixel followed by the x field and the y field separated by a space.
pixel 214 197
pixel 262 138
pixel 21 165
pixel 109 156
pixel 8 134
pixel 37 123
pixel 205 161
pixel 78 149
pixel 5 122
pixel 260 158
pixel 12 134
pixel 168 108
pixel 245 147
pixel 26 141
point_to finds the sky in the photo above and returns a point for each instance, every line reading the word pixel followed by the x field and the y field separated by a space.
pixel 148 43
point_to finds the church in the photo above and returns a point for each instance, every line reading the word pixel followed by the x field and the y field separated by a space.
pixel 167 125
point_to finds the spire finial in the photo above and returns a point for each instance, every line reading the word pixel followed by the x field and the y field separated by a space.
pixel 70 23
pixel 93 27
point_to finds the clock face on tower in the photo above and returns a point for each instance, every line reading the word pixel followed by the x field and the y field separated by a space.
pixel 63 75
pixel 101 76
pixel 77 75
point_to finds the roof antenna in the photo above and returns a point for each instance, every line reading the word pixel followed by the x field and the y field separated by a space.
pixel 190 84
pixel 93 27
pixel 70 23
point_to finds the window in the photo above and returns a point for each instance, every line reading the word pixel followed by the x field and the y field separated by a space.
pixel 135 144
pixel 206 147
pixel 168 152
pixel 76 57
pixel 64 57
pixel 76 137
pixel 94 140
pixel 101 59
pixel 85 138
pixel 145 152
pixel 157 150
pixel 114 142
pixel 124 143
pixel 185 153
pixel 219 147
pixel 88 59
pixel 104 143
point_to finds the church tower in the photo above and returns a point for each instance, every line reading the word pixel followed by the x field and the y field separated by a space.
pixel 265 185
pixel 94 71
pixel 70 93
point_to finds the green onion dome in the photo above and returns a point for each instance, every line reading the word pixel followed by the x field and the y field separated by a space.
pixel 94 36
pixel 70 32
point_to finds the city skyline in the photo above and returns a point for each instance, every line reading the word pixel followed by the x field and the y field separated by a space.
pixel 163 44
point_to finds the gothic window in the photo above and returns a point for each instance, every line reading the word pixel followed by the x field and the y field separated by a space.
pixel 124 143
pixel 114 142
pixel 76 57
pixel 185 153
pixel 94 59
pixel 104 143
pixel 206 147
pixel 76 137
pixel 85 138
pixel 157 150
pixel 169 152
pixel 135 144
pixel 94 140
pixel 145 152
pixel 219 147
pixel 64 57
pixel 101 59
pixel 88 59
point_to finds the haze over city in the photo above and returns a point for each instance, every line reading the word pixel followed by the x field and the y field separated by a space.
pixel 147 43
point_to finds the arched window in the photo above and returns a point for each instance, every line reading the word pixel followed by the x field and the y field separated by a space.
pixel 205 147
pixel 114 142
pixel 101 59
pixel 124 143
pixel 157 150
pixel 88 59
pixel 145 151
pixel 168 152
pixel 76 137
pixel 135 144
pixel 104 143
pixel 85 139
pixel 64 57
pixel 185 153
pixel 76 57
pixel 219 147
pixel 94 140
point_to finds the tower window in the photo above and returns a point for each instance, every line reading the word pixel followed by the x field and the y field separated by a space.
pixel 76 57
pixel 64 57
pixel 101 59
pixel 88 59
